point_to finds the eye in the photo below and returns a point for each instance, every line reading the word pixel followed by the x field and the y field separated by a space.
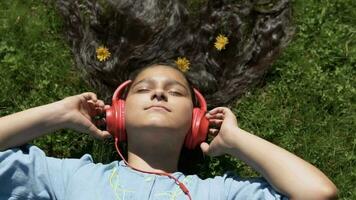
pixel 175 93
pixel 141 90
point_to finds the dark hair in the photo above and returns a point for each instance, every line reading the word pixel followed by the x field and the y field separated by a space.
pixel 139 33
pixel 146 32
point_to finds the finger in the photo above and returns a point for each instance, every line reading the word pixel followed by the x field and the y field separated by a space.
pixel 94 131
pixel 213 131
pixel 107 134
pixel 228 115
pixel 217 110
pixel 217 116
pixel 89 96
pixel 215 122
pixel 96 108
pixel 89 107
pixel 224 110
pixel 100 103
pixel 99 111
pixel 208 149
pixel 100 107
pixel 205 148
pixel 91 104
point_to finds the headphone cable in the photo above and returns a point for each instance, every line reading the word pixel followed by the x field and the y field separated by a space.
pixel 180 184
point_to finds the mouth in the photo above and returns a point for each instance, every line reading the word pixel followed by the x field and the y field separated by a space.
pixel 158 107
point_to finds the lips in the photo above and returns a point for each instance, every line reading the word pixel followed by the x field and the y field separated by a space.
pixel 158 106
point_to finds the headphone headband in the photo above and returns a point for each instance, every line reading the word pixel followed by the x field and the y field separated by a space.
pixel 201 100
pixel 119 90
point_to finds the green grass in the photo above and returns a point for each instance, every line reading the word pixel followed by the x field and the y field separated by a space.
pixel 307 105
pixel 36 65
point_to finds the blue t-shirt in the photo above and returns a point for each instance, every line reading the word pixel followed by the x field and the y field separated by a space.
pixel 27 173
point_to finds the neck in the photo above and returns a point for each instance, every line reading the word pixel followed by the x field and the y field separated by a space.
pixel 153 159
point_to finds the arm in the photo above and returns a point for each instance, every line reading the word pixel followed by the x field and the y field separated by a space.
pixel 72 112
pixel 287 173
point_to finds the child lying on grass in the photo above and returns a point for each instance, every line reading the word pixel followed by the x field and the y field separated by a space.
pixel 158 116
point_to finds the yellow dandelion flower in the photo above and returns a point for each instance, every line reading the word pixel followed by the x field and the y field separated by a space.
pixel 182 64
pixel 102 53
pixel 220 42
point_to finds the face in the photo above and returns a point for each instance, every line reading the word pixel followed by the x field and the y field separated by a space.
pixel 159 100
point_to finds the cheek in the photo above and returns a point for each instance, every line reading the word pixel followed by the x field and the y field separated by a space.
pixel 185 112
pixel 132 107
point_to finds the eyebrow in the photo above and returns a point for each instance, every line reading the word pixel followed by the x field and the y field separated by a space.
pixel 169 82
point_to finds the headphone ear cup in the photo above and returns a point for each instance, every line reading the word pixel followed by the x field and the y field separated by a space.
pixel 111 120
pixel 199 129
pixel 121 120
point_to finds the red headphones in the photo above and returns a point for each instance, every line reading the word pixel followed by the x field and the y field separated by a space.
pixel 115 119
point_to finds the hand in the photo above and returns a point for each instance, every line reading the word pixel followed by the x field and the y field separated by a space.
pixel 80 111
pixel 224 129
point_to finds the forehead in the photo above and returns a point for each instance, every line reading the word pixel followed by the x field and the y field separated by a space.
pixel 160 72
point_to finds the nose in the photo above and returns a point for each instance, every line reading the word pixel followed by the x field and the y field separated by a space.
pixel 159 95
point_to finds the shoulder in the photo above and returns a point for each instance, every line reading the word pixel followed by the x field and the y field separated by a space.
pixel 31 155
pixel 232 186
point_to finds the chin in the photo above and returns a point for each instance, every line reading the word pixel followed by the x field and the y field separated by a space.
pixel 157 124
